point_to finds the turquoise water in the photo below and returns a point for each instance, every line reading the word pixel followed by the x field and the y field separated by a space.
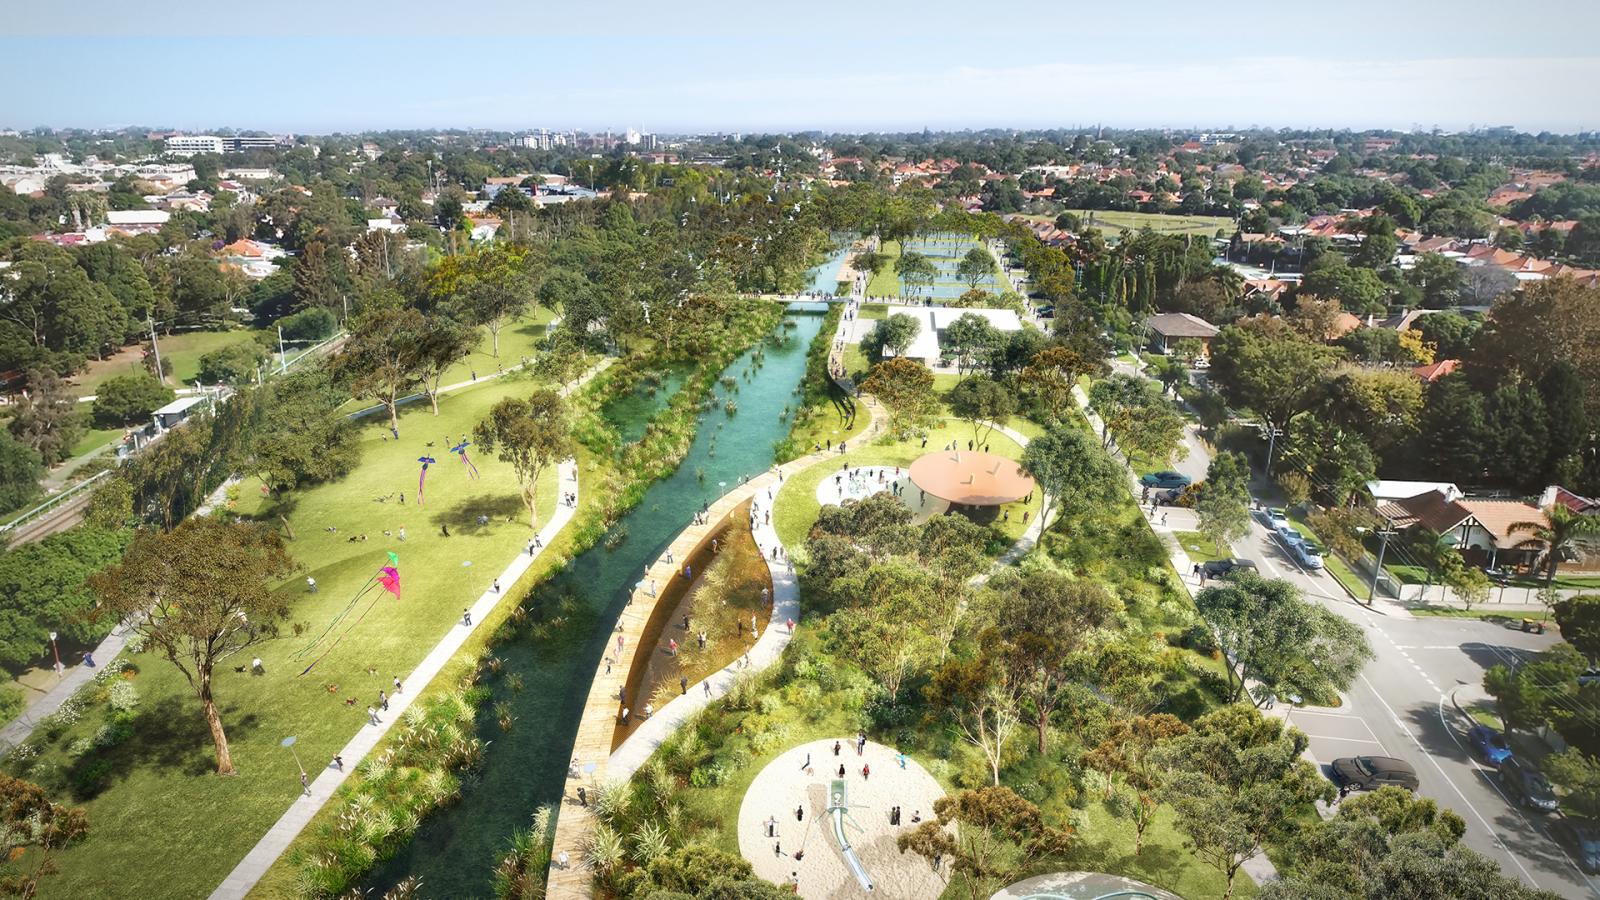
pixel 456 850
pixel 630 414
pixel 824 279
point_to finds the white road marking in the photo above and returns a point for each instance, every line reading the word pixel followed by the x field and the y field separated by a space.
pixel 1516 808
pixel 1353 740
pixel 1435 763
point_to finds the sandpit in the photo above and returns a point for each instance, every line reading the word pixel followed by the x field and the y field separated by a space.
pixel 785 784
pixel 862 482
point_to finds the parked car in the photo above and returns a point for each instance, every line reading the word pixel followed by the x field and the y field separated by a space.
pixel 1221 568
pixel 1527 785
pixel 1489 744
pixel 1368 773
pixel 1166 479
pixel 1286 530
pixel 1276 517
pixel 1305 554
pixel 1582 837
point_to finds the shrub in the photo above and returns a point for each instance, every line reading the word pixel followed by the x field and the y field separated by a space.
pixel 124 697
pixel 312 324
pixel 127 398
pixel 233 364
pixel 89 780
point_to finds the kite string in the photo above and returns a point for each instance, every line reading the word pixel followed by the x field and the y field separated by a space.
pixel 334 623
pixel 342 636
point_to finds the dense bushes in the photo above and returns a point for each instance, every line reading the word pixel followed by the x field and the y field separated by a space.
pixel 314 324
pixel 126 399
pixel 42 590
pixel 233 364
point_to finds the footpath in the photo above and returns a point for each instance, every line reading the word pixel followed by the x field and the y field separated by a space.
pixel 255 864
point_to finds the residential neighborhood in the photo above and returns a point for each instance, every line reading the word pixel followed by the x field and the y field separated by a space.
pixel 698 452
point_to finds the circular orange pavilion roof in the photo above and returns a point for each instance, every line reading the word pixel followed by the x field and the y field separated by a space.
pixel 975 479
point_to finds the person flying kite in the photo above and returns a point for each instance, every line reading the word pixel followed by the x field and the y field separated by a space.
pixel 461 450
pixel 423 478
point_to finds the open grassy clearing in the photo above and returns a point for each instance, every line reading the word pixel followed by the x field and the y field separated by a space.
pixel 1200 547
pixel 797 507
pixel 181 351
pixel 157 795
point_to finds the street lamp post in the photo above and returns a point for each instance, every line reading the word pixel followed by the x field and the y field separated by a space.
pixel 56 652
pixel 1377 570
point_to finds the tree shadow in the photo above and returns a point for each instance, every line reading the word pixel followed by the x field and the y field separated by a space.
pixel 170 734
pixel 466 514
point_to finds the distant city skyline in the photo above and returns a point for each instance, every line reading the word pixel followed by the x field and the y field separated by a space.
pixel 833 66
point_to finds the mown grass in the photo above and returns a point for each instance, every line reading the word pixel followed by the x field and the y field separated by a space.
pixel 159 797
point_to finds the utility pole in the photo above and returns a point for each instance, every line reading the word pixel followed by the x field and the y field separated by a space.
pixel 282 365
pixel 160 375
pixel 1377 571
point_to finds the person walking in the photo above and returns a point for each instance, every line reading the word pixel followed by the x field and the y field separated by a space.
pixel 683 684
pixel 866 771
pixel 841 770
pixel 305 783
pixel 372 716
pixel 836 747
pixel 583 796
pixel 338 762
pixel 466 617
pixel 311 585
pixel 402 532
pixel 672 646
pixel 398 687
pixel 800 813
pixel 383 700
pixel 625 714
pixel 901 759
pixel 649 709
pixel 707 685
pixel 497 585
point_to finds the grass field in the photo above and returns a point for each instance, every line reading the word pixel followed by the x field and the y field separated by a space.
pixel 1117 220
pixel 162 804
pixel 181 351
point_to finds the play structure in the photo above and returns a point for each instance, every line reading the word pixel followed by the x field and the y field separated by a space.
pixel 838 811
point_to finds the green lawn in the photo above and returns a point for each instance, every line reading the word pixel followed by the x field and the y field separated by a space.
pixel 797 507
pixel 1117 220
pixel 95 439
pixel 1583 582
pixel 874 311
pixel 1105 844
pixel 1200 547
pixel 181 351
pixel 517 340
pixel 162 805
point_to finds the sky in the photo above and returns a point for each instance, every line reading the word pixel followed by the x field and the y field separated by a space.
pixel 831 65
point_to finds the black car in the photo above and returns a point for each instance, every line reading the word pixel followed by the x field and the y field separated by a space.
pixel 1524 783
pixel 1220 568
pixel 1368 773
pixel 1582 837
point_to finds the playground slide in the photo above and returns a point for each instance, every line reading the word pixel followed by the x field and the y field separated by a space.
pixel 837 808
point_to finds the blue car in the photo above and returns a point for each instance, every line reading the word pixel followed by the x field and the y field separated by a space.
pixel 1489 744
pixel 1167 479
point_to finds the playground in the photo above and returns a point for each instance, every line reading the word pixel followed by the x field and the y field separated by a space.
pixel 857 808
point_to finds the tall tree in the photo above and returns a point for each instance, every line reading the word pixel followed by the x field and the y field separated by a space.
pixel 199 594
pixel 1236 782
pixel 971 338
pixel 1042 620
pixel 20 471
pixel 975 267
pixel 1281 642
pixel 989 835
pixel 905 387
pixel 1071 470
pixel 47 417
pixel 1049 377
pixel 380 360
pixel 442 343
pixel 531 435
pixel 983 403
pixel 982 698
pixel 1127 757
pixel 1270 370
pixel 496 288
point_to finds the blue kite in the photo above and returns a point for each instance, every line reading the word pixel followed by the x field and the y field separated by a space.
pixel 422 479
pixel 461 449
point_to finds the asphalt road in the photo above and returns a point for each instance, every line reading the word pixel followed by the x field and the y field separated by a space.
pixel 1401 706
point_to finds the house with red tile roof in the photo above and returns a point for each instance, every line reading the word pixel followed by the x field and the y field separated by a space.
pixel 1485 532
pixel 1435 370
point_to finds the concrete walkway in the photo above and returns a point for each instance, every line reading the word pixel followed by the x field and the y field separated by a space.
pixel 277 839
pixel 594 757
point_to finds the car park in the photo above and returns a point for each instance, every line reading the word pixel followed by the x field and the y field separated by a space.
pixel 1368 773
pixel 1527 785
pixel 1222 568
pixel 1489 744
pixel 1166 479
pixel 1582 837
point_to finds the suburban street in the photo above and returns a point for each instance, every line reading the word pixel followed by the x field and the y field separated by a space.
pixel 1401 705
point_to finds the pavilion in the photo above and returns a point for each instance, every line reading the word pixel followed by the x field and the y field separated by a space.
pixel 971 479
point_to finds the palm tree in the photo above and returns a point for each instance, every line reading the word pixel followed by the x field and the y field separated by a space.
pixel 1560 533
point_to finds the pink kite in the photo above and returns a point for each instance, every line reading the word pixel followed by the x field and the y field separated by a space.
pixel 390 579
